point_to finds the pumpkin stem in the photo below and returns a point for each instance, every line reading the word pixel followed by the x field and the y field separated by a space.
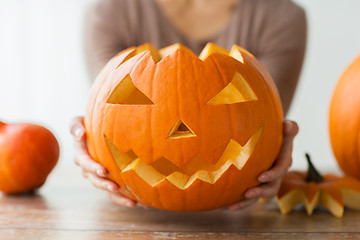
pixel 312 175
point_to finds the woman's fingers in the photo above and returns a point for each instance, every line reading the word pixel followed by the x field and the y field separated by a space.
pixel 100 182
pixel 270 190
pixel 121 200
pixel 91 169
pixel 290 130
pixel 243 204
pixel 77 128
pixel 267 190
pixel 284 159
pixel 83 159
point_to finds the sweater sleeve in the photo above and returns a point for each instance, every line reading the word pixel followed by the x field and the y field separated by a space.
pixel 281 45
pixel 106 33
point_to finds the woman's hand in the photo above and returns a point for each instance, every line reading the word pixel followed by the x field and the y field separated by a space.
pixel 92 170
pixel 271 179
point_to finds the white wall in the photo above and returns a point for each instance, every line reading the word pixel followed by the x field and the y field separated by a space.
pixel 43 77
pixel 333 42
pixel 42 74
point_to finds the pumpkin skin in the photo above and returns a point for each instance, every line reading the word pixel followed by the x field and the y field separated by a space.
pixel 344 120
pixel 28 153
pixel 176 140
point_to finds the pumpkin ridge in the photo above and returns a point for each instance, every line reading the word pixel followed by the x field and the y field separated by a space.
pixel 177 97
pixel 357 162
pixel 131 54
pixel 151 115
pixel 225 84
pixel 223 78
pixel 105 74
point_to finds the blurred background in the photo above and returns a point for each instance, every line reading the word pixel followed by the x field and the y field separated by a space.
pixel 43 78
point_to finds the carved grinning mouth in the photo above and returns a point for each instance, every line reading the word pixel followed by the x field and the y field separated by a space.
pixel 197 168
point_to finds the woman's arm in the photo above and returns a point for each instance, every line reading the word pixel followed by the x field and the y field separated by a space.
pixel 106 33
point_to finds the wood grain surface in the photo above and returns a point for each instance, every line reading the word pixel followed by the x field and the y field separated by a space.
pixel 69 207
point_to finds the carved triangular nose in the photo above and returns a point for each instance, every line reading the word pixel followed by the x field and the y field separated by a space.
pixel 181 130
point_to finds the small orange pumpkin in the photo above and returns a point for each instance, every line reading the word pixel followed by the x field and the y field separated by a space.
pixel 28 153
pixel 312 189
pixel 344 120
pixel 181 132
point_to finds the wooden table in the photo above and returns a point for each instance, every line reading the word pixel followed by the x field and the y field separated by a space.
pixel 68 207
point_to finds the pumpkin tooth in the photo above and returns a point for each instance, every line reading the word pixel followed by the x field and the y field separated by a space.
pixel 234 154
pixel 202 175
pixel 217 174
pixel 149 47
pixel 122 160
pixel 212 48
pixel 178 179
pixel 237 53
pixel 164 52
pixel 247 149
pixel 146 172
pixel 131 53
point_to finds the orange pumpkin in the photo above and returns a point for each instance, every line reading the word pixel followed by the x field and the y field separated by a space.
pixel 344 120
pixel 181 132
pixel 312 189
pixel 28 153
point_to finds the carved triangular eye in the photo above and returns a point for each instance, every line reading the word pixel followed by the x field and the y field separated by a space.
pixel 126 93
pixel 238 90
pixel 180 130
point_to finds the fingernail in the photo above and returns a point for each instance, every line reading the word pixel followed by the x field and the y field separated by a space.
pixel 251 193
pixel 248 194
pixel 129 204
pixel 233 208
pixel 100 173
pixel 142 206
pixel 79 133
pixel 112 188
pixel 264 178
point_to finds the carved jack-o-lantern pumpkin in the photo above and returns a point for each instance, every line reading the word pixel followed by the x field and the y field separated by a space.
pixel 181 132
